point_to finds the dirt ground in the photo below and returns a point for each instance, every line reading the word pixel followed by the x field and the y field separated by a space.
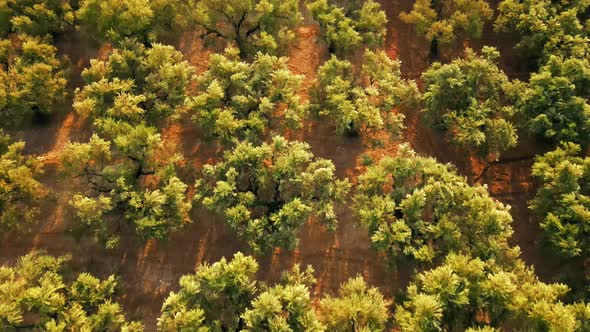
pixel 148 272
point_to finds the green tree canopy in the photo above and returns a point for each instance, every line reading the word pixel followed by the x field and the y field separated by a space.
pixel 147 84
pixel 35 17
pixel 242 101
pixel 418 210
pixel 20 190
pixel 212 299
pixel 471 294
pixel 547 27
pixel 130 176
pixel 444 21
pixel 357 308
pixel 252 25
pixel 563 200
pixel 36 294
pixel 226 296
pixel 347 28
pixel 555 101
pixel 363 102
pixel 471 99
pixel 32 80
pixel 145 20
pixel 267 192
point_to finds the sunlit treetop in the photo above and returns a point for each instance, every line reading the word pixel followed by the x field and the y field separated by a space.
pixel 418 210
pixel 555 101
pixel 237 100
pixel 547 27
pixel 471 100
pixel 32 80
pixel 226 296
pixel 145 20
pixel 365 101
pixel 470 294
pixel 20 190
pixel 563 200
pixel 250 25
pixel 143 84
pixel 267 192
pixel 38 294
pixel 443 22
pixel 36 17
pixel 352 26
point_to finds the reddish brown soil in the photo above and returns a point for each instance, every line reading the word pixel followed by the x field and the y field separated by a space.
pixel 148 272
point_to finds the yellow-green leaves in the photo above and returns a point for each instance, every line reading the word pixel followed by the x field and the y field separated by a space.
pixel 471 100
pixel 247 101
pixel 267 192
pixel 37 294
pixel 350 27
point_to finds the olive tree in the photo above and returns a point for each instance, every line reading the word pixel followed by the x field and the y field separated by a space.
pixel 226 296
pixel 36 17
pixel 213 298
pixel 145 20
pixel 466 293
pixel 238 101
pixel 267 192
pixel 32 80
pixel 357 308
pixel 129 175
pixel 360 103
pixel 555 101
pixel 148 84
pixel 347 28
pixel 563 200
pixel 37 294
pixel 471 100
pixel 251 25
pixel 418 210
pixel 443 22
pixel 547 27
pixel 20 190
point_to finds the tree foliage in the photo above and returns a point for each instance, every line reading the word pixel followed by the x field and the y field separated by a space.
pixel 555 101
pixel 20 190
pixel 252 25
pixel 241 101
pixel 225 296
pixel 357 308
pixel 563 200
pixel 547 27
pixel 471 99
pixel 469 293
pixel 347 28
pixel 366 102
pixel 213 298
pixel 35 17
pixel 443 22
pixel 129 173
pixel 36 294
pixel 32 80
pixel 419 210
pixel 145 20
pixel 267 192
pixel 147 83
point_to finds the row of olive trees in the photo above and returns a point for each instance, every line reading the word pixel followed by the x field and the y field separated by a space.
pixel 464 293
pixel 556 37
